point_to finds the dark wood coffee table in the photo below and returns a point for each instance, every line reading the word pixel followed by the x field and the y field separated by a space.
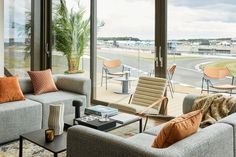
pixel 38 137
pixel 70 121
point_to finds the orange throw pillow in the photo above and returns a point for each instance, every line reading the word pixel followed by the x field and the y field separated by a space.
pixel 177 129
pixel 42 81
pixel 10 89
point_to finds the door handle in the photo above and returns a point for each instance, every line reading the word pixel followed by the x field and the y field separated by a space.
pixel 159 58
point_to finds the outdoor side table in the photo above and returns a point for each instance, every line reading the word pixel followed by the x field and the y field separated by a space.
pixel 125 83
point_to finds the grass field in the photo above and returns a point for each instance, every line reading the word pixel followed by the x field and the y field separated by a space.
pixel 230 64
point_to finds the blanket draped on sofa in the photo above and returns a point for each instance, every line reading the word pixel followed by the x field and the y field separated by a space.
pixel 214 107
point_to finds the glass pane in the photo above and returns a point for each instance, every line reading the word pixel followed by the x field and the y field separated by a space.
pixel 123 36
pixel 200 37
pixel 71 36
pixel 17 30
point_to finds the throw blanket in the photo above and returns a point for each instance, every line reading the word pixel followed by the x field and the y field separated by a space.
pixel 214 107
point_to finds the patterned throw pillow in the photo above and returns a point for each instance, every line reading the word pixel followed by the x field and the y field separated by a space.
pixel 10 89
pixel 178 129
pixel 42 81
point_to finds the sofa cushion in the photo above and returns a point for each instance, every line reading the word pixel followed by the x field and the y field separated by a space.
pixel 155 130
pixel 10 89
pixel 42 81
pixel 178 129
pixel 19 117
pixel 143 138
pixel 54 97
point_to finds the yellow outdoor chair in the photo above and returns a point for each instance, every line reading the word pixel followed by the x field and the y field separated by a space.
pixel 210 74
pixel 148 98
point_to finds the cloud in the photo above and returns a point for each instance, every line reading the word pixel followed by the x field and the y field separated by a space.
pixel 201 22
pixel 126 18
pixel 201 3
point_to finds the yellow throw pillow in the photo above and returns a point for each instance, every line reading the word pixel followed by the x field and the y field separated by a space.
pixel 42 81
pixel 10 89
pixel 178 129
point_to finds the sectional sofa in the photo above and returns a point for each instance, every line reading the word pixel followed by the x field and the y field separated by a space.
pixel 31 114
pixel 217 140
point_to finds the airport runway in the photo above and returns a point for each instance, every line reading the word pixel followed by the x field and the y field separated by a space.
pixel 186 72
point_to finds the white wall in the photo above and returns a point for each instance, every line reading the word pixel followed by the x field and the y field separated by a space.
pixel 1 37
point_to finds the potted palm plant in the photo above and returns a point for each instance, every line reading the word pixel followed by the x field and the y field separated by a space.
pixel 71 34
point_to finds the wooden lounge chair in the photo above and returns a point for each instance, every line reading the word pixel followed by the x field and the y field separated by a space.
pixel 148 98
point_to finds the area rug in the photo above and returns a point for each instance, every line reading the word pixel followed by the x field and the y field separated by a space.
pixel 32 150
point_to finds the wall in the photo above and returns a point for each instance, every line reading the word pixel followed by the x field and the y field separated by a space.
pixel 1 37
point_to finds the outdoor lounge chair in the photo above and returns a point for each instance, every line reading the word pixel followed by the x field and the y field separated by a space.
pixel 107 70
pixel 170 74
pixel 210 74
pixel 148 98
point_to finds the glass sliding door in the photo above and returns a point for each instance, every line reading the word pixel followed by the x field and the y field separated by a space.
pixel 70 36
pixel 125 44
pixel 17 36
pixel 198 37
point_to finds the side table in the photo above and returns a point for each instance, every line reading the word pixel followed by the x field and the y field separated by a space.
pixel 38 137
pixel 125 83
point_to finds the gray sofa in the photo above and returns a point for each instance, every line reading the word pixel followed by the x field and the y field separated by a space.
pixel 217 140
pixel 32 114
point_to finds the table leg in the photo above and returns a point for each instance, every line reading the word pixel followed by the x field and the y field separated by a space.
pixel 55 154
pixel 125 86
pixel 21 147
pixel 140 125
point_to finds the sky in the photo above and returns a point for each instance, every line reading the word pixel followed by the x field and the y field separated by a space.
pixel 135 18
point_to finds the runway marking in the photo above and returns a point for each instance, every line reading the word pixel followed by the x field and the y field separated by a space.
pixel 188 69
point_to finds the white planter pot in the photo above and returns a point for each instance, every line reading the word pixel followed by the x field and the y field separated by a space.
pixel 56 118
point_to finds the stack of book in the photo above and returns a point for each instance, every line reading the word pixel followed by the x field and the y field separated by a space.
pixel 100 110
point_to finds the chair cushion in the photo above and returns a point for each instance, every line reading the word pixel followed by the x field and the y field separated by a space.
pixel 148 91
pixel 178 129
pixel 133 108
pixel 10 89
pixel 42 81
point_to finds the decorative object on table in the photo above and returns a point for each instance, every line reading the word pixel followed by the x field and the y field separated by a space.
pixel 94 122
pixel 99 109
pixel 56 118
pixel 77 104
pixel 49 135
pixel 104 118
pixel 123 118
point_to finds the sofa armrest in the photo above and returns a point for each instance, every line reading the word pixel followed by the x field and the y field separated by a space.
pixel 93 143
pixel 188 103
pixel 76 84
